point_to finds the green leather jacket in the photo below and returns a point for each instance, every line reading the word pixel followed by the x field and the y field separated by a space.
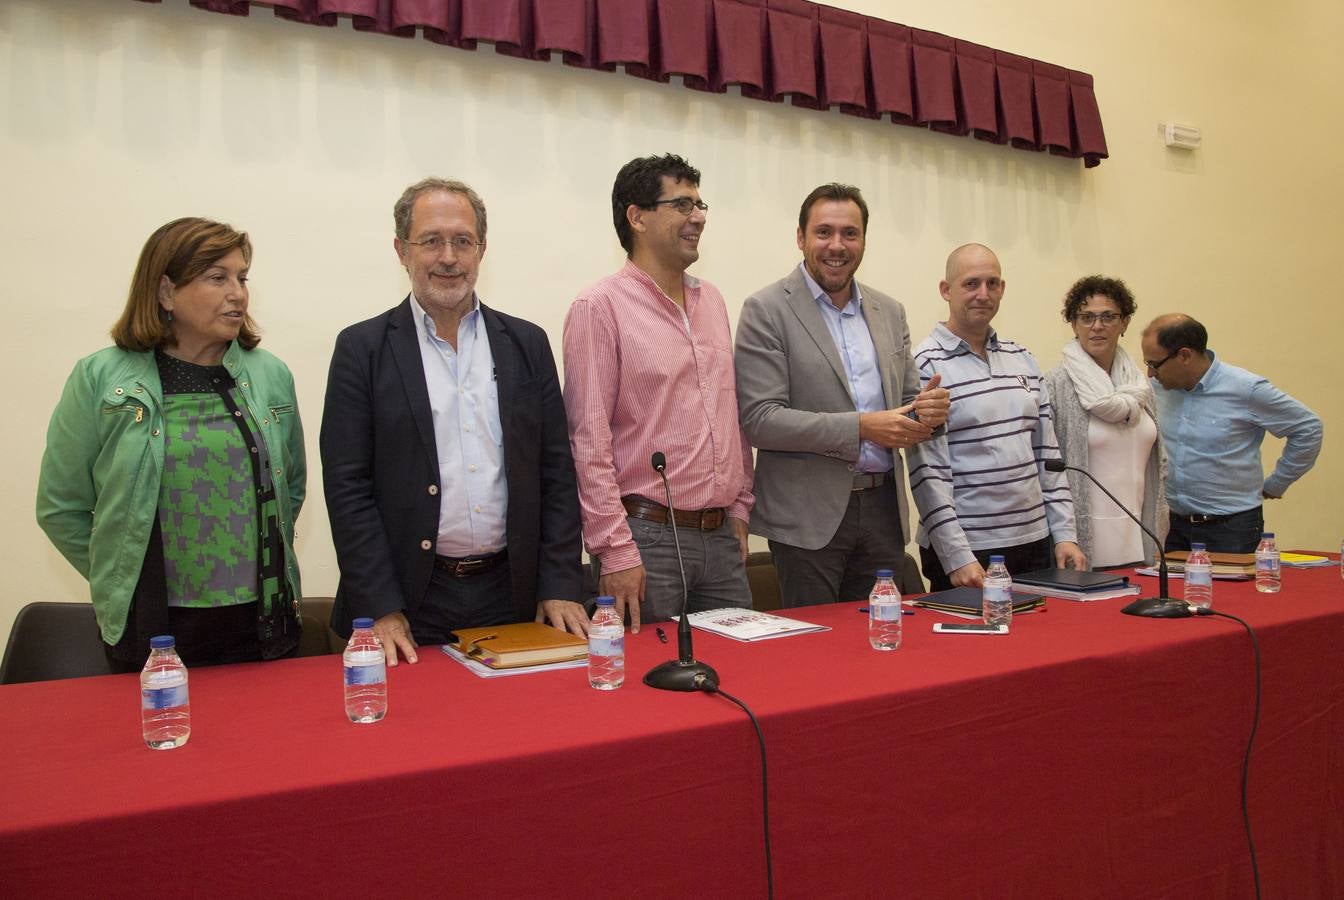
pixel 98 492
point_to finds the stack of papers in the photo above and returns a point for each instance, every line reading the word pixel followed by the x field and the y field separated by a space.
pixel 749 625
pixel 1304 561
pixel 1072 584
pixel 967 602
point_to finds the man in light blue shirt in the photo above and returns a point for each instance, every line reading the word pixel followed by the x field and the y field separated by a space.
pixel 829 396
pixel 445 452
pixel 1213 418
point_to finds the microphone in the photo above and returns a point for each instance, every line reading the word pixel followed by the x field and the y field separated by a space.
pixel 1161 606
pixel 682 673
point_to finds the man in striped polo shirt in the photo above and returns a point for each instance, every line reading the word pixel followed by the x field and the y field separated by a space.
pixel 981 489
pixel 649 370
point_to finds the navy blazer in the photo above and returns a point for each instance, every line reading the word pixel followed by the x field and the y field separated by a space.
pixel 380 468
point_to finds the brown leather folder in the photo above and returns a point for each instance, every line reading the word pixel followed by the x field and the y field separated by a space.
pixel 521 644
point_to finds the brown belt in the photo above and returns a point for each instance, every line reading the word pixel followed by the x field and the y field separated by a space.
pixel 468 566
pixel 703 519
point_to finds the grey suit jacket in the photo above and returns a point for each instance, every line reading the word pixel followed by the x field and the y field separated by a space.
pixel 797 410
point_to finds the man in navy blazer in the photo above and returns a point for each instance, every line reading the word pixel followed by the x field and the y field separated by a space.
pixel 445 453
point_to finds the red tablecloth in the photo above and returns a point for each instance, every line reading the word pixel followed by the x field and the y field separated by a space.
pixel 1086 754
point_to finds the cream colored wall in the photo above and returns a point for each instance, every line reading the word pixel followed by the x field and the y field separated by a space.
pixel 118 116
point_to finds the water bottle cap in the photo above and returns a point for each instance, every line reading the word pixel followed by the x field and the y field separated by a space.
pixel 1267 534
pixel 884 573
pixel 995 559
pixel 363 622
pixel 161 642
pixel 606 601
pixel 1196 546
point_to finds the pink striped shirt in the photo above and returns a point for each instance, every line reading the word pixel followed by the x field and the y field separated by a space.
pixel 641 377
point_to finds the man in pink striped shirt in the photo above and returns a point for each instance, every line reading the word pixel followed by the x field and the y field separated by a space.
pixel 649 369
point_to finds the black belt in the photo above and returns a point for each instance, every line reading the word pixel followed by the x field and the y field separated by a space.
pixel 468 566
pixel 1197 519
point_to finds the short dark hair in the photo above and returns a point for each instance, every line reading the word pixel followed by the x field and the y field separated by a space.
pixel 1182 332
pixel 1112 288
pixel 638 184
pixel 833 191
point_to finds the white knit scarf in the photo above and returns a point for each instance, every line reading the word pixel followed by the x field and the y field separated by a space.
pixel 1115 398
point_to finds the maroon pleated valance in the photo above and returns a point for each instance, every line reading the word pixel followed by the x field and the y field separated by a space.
pixel 815 56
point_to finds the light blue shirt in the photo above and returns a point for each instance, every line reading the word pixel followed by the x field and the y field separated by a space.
pixel 983 485
pixel 849 330
pixel 464 398
pixel 1213 434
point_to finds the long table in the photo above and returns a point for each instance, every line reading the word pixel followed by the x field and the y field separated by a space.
pixel 1085 754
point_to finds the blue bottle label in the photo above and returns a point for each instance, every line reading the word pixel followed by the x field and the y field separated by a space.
pixel 375 673
pixel 164 697
pixel 601 646
pixel 885 611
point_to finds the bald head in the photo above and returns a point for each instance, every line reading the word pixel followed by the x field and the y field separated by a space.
pixel 973 288
pixel 966 255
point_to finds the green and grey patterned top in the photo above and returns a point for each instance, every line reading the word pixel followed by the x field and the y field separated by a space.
pixel 216 496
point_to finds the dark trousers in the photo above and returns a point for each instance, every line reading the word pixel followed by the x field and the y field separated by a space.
pixel 453 603
pixel 869 538
pixel 205 636
pixel 1235 533
pixel 1022 558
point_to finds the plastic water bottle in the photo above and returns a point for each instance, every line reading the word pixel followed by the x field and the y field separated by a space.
pixel 1267 572
pixel 1198 577
pixel 365 675
pixel 606 647
pixel 996 598
pixel 165 708
pixel 884 613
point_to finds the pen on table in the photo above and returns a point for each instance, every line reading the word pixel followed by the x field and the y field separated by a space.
pixel 904 612
pixel 662 635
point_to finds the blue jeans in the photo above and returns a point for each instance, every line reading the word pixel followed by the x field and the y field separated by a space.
pixel 715 574
pixel 1235 533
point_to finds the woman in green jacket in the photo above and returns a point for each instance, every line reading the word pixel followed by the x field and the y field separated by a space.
pixel 174 467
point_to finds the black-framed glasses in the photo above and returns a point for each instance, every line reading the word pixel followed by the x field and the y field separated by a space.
pixel 434 244
pixel 1087 319
pixel 683 205
pixel 1162 362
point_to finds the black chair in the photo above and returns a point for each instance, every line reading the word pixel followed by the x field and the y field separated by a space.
pixel 53 640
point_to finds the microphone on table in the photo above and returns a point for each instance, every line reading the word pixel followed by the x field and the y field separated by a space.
pixel 682 673
pixel 1161 606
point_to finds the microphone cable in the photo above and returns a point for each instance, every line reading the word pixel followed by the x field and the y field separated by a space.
pixel 1246 760
pixel 765 786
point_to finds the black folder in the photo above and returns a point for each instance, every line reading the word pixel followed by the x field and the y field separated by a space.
pixel 1071 580
pixel 967 601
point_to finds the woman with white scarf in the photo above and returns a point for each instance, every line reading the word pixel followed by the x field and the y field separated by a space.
pixel 1104 419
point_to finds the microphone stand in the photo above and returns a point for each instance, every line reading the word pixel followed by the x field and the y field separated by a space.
pixel 682 673
pixel 1161 606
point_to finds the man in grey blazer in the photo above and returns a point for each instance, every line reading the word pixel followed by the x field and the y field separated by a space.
pixel 829 395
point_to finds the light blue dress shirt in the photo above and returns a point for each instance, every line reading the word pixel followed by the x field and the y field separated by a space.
pixel 464 398
pixel 1213 434
pixel 849 330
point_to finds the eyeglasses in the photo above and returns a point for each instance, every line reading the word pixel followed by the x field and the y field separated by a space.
pixel 1087 319
pixel 461 244
pixel 683 205
pixel 1161 362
